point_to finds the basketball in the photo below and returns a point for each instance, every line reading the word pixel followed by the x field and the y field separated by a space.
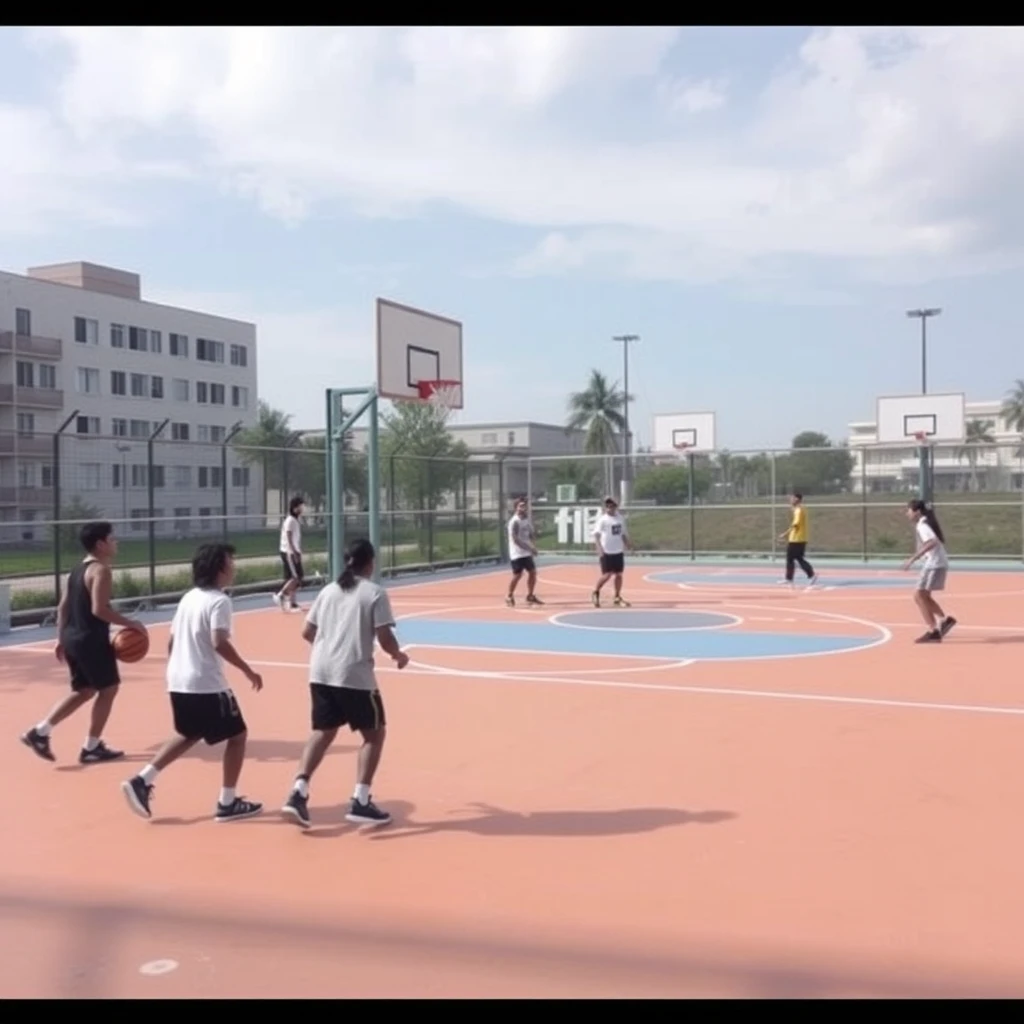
pixel 131 645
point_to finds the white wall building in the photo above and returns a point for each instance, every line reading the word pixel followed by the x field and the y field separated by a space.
pixel 994 465
pixel 79 348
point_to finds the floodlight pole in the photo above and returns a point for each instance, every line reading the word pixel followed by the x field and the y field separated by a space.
pixel 923 315
pixel 625 340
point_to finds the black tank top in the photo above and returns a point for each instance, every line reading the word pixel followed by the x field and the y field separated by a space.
pixel 81 627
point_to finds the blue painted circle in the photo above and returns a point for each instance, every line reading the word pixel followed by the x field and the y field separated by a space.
pixel 639 619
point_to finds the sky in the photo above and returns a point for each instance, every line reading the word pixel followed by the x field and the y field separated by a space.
pixel 760 205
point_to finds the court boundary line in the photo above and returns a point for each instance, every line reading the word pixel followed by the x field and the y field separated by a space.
pixel 736 620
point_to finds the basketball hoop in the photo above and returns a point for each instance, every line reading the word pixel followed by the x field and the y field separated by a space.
pixel 682 447
pixel 444 395
pixel 921 437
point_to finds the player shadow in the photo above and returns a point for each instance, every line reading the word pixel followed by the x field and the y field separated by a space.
pixel 329 822
pixel 496 822
pixel 267 751
pixel 127 759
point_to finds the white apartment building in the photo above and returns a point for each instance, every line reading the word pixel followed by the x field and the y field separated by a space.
pixel 81 350
pixel 980 465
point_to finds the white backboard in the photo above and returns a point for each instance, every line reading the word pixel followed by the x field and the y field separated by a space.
pixel 695 429
pixel 938 417
pixel 414 345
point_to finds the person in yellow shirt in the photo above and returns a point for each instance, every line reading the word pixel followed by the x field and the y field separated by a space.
pixel 796 542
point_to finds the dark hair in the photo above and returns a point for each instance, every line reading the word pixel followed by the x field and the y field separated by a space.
pixel 798 496
pixel 928 512
pixel 92 533
pixel 359 555
pixel 610 501
pixel 208 563
pixel 294 504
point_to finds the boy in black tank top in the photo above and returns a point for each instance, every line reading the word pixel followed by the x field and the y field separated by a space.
pixel 84 618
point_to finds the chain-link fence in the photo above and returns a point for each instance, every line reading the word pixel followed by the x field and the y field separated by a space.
pixel 165 495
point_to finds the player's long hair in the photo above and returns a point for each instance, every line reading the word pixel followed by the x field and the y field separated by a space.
pixel 927 512
pixel 358 559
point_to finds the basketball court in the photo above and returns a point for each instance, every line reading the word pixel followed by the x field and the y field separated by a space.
pixel 730 789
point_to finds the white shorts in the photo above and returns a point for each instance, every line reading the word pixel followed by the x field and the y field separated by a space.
pixel 932 579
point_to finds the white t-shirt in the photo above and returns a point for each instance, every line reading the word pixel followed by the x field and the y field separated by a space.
pixel 937 557
pixel 291 528
pixel 612 532
pixel 194 665
pixel 524 527
pixel 346 629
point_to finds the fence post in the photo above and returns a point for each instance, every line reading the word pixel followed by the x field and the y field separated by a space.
pixel 501 507
pixel 224 475
pixel 864 504
pixel 465 511
pixel 689 489
pixel 56 506
pixel 151 488
pixel 427 496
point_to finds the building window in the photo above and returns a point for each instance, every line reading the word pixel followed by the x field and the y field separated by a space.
pixel 117 335
pixel 216 477
pixel 47 377
pixel 201 392
pixel 240 476
pixel 22 323
pixel 89 476
pixel 178 344
pixel 27 474
pixel 139 515
pixel 182 477
pixel 239 397
pixel 217 434
pixel 140 429
pixel 139 476
pixel 156 342
pixel 46 475
pixel 138 340
pixel 204 477
pixel 118 382
pixel 119 427
pixel 26 425
pixel 156 387
pixel 216 394
pixel 209 351
pixel 116 478
pixel 138 382
pixel 88 381
pixel 159 477
pixel 181 390
pixel 179 431
pixel 26 374
pixel 87 332
pixel 239 355
pixel 489 439
pixel 87 425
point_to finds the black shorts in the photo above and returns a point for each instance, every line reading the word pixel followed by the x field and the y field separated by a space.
pixel 521 565
pixel 335 706
pixel 213 717
pixel 92 667
pixel 292 567
pixel 613 563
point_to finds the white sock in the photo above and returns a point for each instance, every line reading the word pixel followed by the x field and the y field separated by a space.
pixel 91 743
pixel 149 774
pixel 44 728
pixel 227 797
pixel 362 793
pixel 302 788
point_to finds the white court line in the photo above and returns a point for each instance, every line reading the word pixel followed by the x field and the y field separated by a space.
pixel 710 691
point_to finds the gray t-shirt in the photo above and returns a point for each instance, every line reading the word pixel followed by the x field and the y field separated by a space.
pixel 346 629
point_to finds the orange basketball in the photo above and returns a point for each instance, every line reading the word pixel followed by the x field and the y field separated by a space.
pixel 131 645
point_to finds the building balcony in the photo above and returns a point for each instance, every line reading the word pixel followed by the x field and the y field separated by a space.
pixel 26 497
pixel 31 398
pixel 31 345
pixel 25 447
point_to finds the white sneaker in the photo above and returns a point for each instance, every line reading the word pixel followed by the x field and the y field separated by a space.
pixel 278 600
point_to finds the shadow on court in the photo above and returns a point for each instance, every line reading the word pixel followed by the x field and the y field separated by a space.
pixel 270 751
pixel 496 822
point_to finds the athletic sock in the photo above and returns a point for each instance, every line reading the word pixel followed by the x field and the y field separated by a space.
pixel 149 774
pixel 227 797
pixel 91 743
pixel 362 793
pixel 44 728
pixel 302 788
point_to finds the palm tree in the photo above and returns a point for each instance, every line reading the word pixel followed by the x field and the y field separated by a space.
pixel 978 432
pixel 598 410
pixel 1013 411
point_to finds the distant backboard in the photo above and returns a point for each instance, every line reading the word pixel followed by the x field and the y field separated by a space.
pixel 414 346
pixel 694 429
pixel 939 417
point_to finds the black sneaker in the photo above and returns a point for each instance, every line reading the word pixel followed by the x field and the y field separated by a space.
pixel 40 744
pixel 138 794
pixel 237 809
pixel 297 808
pixel 947 624
pixel 933 636
pixel 533 599
pixel 367 814
pixel 100 753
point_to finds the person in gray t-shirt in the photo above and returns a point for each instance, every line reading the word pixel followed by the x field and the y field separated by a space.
pixel 345 620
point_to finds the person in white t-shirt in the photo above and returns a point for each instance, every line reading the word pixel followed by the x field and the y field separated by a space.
pixel 931 551
pixel 611 539
pixel 522 550
pixel 345 621
pixel 202 703
pixel 290 547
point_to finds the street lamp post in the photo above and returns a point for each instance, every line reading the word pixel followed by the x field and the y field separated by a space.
pixel 923 315
pixel 124 449
pixel 625 340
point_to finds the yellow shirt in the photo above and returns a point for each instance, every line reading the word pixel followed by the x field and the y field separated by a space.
pixel 798 528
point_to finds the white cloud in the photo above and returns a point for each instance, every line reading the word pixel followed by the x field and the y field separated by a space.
pixel 875 150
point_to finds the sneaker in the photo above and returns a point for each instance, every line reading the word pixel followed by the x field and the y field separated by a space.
pixel 297 808
pixel 533 599
pixel 138 794
pixel 237 809
pixel 40 744
pixel 278 600
pixel 510 601
pixel 595 599
pixel 947 624
pixel 621 602
pixel 99 754
pixel 933 636
pixel 367 814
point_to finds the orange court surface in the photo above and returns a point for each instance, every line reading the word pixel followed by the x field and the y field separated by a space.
pixel 730 789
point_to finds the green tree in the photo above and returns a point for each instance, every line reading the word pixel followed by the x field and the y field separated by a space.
pixel 978 433
pixel 670 484
pixel 1013 411
pixel 585 475
pixel 599 410
pixel 814 466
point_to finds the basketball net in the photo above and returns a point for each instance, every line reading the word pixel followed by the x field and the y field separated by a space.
pixel 444 396
pixel 921 437
pixel 682 447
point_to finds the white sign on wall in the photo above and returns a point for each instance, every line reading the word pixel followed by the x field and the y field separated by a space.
pixel 576 525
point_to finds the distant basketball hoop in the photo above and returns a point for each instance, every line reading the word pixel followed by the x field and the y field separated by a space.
pixel 921 437
pixel 444 395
